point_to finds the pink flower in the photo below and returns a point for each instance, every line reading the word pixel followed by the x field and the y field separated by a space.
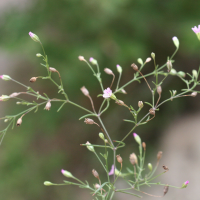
pixel 112 171
pixel 186 182
pixel 107 93
pixel 196 30
pixel 34 37
pixel 1 76
pixel 31 34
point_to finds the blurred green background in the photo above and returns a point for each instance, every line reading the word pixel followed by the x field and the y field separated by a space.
pixel 113 32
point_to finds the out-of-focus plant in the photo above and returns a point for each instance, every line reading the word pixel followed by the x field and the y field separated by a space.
pixel 136 176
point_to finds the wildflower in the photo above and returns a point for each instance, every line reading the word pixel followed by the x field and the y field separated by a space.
pixel 119 69
pixel 14 94
pixel 90 147
pixel 108 71
pixel 153 55
pixel 34 37
pixel 148 60
pixel 4 98
pixel 185 184
pixel 176 41
pixel 5 77
pixel 140 104
pixel 84 91
pixel 137 138
pixel 66 173
pixel 93 61
pixel 112 171
pixel 196 30
pixel 48 106
pixel 107 93
pixel 47 183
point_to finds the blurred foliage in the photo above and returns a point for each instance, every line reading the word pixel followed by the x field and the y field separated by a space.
pixel 113 32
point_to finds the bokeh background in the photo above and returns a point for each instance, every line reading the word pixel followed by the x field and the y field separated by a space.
pixel 113 32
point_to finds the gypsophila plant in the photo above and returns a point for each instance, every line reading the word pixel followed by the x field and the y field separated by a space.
pixel 135 176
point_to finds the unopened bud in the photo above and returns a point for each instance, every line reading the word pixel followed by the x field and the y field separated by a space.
pixel 95 173
pixel 144 145
pixel 19 121
pixel 140 104
pixel 152 111
pixel 84 91
pixel 150 167
pixel 185 184
pixel 33 79
pixel 119 69
pixel 153 55
pixel 148 60
pixel 194 94
pixel 106 141
pixel 176 41
pixel 18 102
pixel 134 66
pixel 119 102
pixel 133 159
pixel 108 71
pixel 101 135
pixel 67 174
pixel 47 183
pixel 14 94
pixel 173 72
pixel 34 37
pixel 166 188
pixel 81 58
pixel 48 106
pixel 194 73
pixel 123 91
pixel 5 77
pixel 4 98
pixel 140 61
pixel 38 55
pixel 5 120
pixel 90 147
pixel 119 159
pixel 159 89
pixel 89 121
pixel 93 61
pixel 51 69
pixel 181 74
pixel 137 138
pixel 159 155
pixel 169 65
pixel 174 92
pixel 165 168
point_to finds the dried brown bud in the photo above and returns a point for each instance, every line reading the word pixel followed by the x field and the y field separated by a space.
pixel 194 94
pixel 51 69
pixel 159 155
pixel 165 168
pixel 169 65
pixel 119 159
pixel 140 104
pixel 19 121
pixel 33 79
pixel 95 173
pixel 152 111
pixel 144 145
pixel 48 106
pixel 133 159
pixel 84 91
pixel 159 89
pixel 134 66
pixel 81 58
pixel 89 121
pixel 119 102
pixel 14 94
pixel 108 71
pixel 166 188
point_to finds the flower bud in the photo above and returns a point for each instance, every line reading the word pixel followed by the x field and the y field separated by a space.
pixel 153 55
pixel 176 41
pixel 159 155
pixel 148 60
pixel 90 147
pixel 38 55
pixel 101 135
pixel 93 61
pixel 119 159
pixel 4 98
pixel 97 186
pixel 85 91
pixel 166 188
pixel 159 89
pixel 140 104
pixel 18 102
pixel 5 120
pixel 144 146
pixel 33 79
pixel 119 102
pixel 181 74
pixel 185 184
pixel 140 61
pixel 19 121
pixel 173 72
pixel 67 174
pixel 152 111
pixel 106 141
pixel 14 94
pixel 119 69
pixel 34 37
pixel 81 58
pixel 150 167
pixel 5 77
pixel 194 73
pixel 47 183
pixel 194 94
pixel 108 71
pixel 89 121
pixel 95 173
pixel 51 69
pixel 134 66
pixel 133 159
pixel 174 92
pixel 169 65
pixel 123 91
pixel 48 106
pixel 137 138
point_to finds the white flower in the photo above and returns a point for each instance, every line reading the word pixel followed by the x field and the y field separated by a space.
pixel 107 93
